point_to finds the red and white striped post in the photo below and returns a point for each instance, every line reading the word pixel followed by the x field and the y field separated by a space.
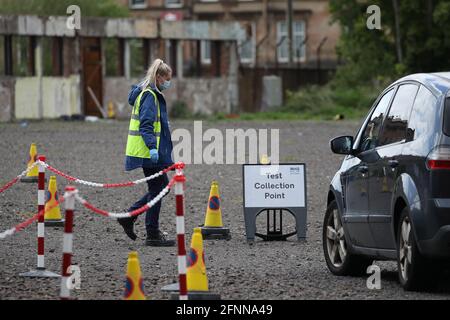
pixel 180 179
pixel 69 199
pixel 41 207
pixel 40 270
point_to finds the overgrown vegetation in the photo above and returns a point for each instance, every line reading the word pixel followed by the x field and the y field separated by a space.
pixel 180 110
pixel 328 102
pixel 413 38
pixel 89 8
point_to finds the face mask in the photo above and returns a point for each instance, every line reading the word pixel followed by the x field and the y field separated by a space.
pixel 165 85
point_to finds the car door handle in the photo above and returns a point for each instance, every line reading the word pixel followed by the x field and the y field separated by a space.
pixel 363 169
pixel 393 163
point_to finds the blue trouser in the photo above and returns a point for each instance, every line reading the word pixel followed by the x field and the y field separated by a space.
pixel 154 188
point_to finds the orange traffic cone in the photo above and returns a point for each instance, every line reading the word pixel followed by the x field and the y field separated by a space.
pixel 32 175
pixel 53 216
pixel 196 276
pixel 213 227
pixel 197 279
pixel 134 286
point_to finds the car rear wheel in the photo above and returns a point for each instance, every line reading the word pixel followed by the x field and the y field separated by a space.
pixel 414 270
pixel 339 260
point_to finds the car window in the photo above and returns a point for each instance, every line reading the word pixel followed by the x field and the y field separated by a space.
pixel 447 116
pixel 369 138
pixel 422 120
pixel 396 122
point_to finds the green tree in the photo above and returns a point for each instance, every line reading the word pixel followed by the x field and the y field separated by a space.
pixel 421 45
pixel 89 8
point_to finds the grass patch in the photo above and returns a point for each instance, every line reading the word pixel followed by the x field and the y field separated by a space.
pixel 319 103
pixel 310 103
pixel 326 102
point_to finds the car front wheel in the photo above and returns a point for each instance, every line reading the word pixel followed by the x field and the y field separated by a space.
pixel 339 260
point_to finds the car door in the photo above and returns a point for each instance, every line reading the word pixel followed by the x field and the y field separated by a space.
pixel 356 182
pixel 384 172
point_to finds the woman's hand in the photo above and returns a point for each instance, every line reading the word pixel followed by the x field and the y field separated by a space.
pixel 154 155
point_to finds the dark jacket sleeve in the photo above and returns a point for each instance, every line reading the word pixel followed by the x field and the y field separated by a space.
pixel 147 115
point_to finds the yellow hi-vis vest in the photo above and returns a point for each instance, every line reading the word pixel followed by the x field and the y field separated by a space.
pixel 135 144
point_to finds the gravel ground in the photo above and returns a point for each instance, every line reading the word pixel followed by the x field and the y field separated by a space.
pixel 236 270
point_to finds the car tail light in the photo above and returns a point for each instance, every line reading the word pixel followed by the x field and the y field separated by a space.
pixel 439 158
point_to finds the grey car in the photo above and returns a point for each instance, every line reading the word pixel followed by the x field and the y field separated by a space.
pixel 390 199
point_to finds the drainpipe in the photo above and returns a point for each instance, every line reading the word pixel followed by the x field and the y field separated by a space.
pixel 319 51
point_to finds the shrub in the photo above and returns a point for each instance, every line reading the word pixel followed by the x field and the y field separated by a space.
pixel 325 102
pixel 180 110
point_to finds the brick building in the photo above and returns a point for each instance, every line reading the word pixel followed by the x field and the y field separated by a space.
pixel 265 51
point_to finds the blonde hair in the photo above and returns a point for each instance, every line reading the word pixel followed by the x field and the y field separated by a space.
pixel 158 68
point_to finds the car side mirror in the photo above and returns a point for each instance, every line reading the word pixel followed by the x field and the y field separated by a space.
pixel 342 145
pixel 410 134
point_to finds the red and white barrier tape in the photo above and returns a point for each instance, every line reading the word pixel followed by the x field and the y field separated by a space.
pixel 84 202
pixel 116 215
pixel 27 222
pixel 91 207
pixel 16 179
pixel 178 165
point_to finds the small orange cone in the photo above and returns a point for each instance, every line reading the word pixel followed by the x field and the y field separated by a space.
pixel 264 159
pixel 213 227
pixel 32 175
pixel 111 110
pixel 134 286
pixel 53 216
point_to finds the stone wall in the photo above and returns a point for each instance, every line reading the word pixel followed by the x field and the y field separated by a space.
pixel 206 96
pixel 39 97
pixel 53 97
pixel 115 91
pixel 6 98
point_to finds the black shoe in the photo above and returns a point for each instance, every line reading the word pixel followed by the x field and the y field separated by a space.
pixel 128 227
pixel 158 239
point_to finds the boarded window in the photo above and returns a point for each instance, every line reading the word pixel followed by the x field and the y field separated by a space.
pixel 2 55
pixel 52 56
pixel 113 57
pixel 206 52
pixel 137 64
pixel 21 55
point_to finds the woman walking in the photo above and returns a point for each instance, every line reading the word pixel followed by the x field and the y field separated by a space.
pixel 149 146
